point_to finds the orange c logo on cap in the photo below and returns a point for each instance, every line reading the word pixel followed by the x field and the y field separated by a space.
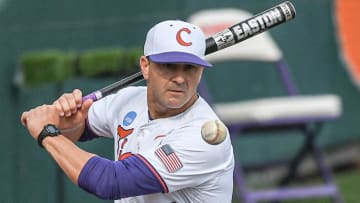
pixel 180 40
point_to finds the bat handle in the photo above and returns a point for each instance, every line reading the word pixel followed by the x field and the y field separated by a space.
pixel 93 96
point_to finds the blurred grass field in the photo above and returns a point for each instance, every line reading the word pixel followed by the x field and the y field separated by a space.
pixel 348 183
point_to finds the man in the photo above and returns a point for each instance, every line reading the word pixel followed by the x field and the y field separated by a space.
pixel 160 155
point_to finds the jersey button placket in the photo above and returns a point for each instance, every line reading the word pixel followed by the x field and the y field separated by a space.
pixel 140 139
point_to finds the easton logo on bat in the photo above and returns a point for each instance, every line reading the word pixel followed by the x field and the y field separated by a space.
pixel 259 23
pixel 255 25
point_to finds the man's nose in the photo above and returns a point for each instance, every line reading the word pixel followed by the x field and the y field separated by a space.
pixel 179 75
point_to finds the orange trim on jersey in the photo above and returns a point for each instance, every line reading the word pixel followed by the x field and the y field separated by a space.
pixel 347 13
pixel 159 136
pixel 154 171
pixel 123 132
pixel 124 156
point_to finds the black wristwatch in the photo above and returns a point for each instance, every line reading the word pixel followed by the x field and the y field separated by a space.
pixel 48 130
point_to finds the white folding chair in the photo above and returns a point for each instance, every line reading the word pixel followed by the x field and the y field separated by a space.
pixel 294 110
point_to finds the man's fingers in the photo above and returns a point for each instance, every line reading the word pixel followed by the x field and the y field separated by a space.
pixel 67 104
pixel 59 108
pixel 71 101
pixel 78 97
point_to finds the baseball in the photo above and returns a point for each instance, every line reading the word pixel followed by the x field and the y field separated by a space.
pixel 213 132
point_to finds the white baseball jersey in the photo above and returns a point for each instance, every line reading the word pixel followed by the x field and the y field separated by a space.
pixel 196 172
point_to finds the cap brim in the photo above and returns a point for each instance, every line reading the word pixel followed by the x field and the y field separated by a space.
pixel 178 57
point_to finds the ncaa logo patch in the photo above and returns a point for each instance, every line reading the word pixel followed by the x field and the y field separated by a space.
pixel 129 118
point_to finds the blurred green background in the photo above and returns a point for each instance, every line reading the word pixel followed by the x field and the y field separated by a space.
pixel 309 44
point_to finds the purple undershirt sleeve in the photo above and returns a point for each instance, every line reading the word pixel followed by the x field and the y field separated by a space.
pixel 119 179
pixel 88 134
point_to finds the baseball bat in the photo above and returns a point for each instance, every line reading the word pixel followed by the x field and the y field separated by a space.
pixel 239 32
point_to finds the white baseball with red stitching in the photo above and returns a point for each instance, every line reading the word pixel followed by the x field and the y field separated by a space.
pixel 213 132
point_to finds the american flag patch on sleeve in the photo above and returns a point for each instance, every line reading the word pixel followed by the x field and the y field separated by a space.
pixel 169 158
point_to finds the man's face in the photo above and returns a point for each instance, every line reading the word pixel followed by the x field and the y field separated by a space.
pixel 172 86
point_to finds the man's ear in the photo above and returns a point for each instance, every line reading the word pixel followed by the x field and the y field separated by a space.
pixel 144 65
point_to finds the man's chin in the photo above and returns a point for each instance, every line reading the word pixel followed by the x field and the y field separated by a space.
pixel 175 104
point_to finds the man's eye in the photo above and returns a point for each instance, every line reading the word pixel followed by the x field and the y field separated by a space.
pixel 191 68
pixel 169 65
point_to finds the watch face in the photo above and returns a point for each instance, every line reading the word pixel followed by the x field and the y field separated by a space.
pixel 51 129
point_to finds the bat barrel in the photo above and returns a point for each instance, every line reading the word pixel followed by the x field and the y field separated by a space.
pixel 251 27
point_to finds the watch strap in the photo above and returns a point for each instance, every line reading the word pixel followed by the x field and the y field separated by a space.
pixel 45 133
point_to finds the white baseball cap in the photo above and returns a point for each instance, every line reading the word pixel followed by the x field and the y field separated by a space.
pixel 176 41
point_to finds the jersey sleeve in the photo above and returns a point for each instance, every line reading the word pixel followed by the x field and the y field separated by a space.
pixel 103 114
pixel 185 160
pixel 98 119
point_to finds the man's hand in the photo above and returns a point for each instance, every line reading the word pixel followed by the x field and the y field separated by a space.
pixel 35 119
pixel 67 112
pixel 72 112
pixel 69 103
